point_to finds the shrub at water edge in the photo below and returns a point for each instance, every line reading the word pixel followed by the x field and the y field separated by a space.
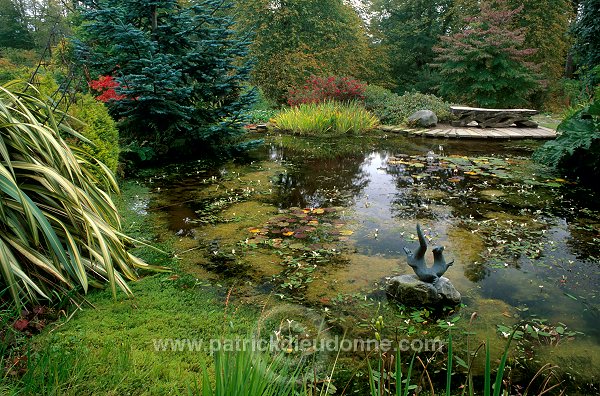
pixel 326 118
pixel 393 109
pixel 576 151
pixel 92 120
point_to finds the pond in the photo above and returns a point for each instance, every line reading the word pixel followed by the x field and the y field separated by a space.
pixel 316 227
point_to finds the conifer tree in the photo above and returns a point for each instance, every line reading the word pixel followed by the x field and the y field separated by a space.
pixel 409 30
pixel 485 64
pixel 179 70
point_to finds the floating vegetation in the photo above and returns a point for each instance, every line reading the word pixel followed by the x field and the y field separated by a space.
pixel 323 223
pixel 212 207
pixel 304 239
pixel 459 167
pixel 537 332
pixel 301 229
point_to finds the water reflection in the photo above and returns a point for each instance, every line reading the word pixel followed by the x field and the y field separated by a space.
pixel 321 182
pixel 507 233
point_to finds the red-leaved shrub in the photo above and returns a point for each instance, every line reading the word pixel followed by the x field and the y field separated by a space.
pixel 106 85
pixel 319 89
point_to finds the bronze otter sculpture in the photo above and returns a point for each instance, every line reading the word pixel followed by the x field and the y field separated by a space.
pixel 417 262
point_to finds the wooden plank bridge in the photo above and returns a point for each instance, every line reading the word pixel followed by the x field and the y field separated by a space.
pixel 448 131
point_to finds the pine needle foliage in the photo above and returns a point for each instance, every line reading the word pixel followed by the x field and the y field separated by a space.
pixel 179 66
pixel 59 229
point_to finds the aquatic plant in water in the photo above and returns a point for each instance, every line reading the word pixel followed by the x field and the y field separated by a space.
pixel 304 239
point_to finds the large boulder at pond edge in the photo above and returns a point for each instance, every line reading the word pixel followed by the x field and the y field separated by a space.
pixel 423 118
pixel 409 290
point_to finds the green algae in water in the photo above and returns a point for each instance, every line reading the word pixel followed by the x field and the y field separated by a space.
pixel 506 222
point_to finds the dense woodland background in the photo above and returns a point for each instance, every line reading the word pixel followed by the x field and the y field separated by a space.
pixel 163 79
pixel 464 50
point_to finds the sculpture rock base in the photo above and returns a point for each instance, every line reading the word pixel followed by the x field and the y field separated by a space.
pixel 409 290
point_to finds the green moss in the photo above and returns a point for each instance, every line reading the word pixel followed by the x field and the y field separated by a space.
pixel 124 334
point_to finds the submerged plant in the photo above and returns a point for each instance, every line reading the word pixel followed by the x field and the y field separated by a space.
pixel 59 229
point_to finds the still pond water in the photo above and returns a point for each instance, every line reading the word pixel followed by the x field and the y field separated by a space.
pixel 321 225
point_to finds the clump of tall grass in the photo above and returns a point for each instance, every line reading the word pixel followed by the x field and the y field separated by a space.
pixel 326 118
pixel 389 380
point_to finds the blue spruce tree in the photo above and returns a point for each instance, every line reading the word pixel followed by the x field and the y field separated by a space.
pixel 181 71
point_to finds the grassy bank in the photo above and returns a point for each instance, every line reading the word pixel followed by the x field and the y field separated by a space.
pixel 115 347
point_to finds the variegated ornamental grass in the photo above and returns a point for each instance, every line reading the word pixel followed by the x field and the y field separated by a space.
pixel 59 229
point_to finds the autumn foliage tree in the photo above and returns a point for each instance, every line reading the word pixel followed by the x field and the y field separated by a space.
pixel 294 39
pixel 319 89
pixel 485 63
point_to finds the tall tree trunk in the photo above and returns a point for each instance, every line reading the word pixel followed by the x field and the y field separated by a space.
pixel 154 17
